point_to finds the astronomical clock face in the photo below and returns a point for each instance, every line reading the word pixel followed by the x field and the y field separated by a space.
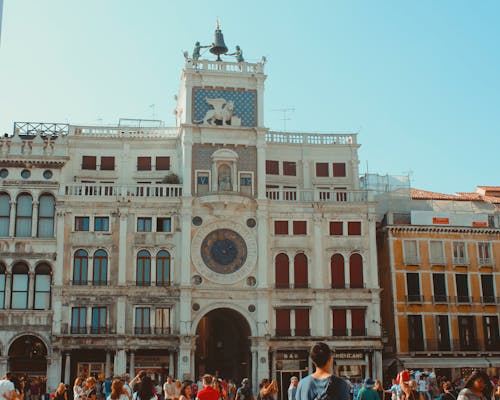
pixel 224 251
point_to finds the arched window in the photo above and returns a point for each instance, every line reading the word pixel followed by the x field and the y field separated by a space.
pixel 300 278
pixel 2 286
pixel 46 210
pixel 356 271
pixel 282 277
pixel 143 276
pixel 100 273
pixel 4 214
pixel 80 267
pixel 20 285
pixel 42 287
pixel 24 212
pixel 163 268
pixel 337 271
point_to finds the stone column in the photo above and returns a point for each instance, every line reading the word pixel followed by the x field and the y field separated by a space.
pixel 3 365
pixel 348 321
pixel 34 219
pixel 187 155
pixel 59 267
pixel 107 366
pixel 120 366
pixel 8 286
pixel 255 367
pixel 306 171
pixel 122 249
pixel 132 364
pixel 261 166
pixel 370 267
pixel 185 248
pixel 31 289
pixel 67 368
pixel 262 258
pixel 54 371
pixel 171 363
pixel 378 373
pixel 347 276
pixel 184 363
pixel 120 315
pixel 262 367
pixel 291 270
pixel 12 221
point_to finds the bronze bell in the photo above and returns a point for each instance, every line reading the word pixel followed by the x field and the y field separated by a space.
pixel 218 46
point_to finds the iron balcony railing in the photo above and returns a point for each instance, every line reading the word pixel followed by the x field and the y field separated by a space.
pixel 114 190
pixel 89 283
pixel 462 299
pixel 356 332
pixel 435 345
pixel 93 330
pixel 414 298
pixel 318 195
pixel 460 261
pixel 440 299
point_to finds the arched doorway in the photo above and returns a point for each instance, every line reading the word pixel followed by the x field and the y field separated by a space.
pixel 28 355
pixel 223 345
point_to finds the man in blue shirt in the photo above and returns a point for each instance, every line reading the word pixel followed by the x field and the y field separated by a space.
pixel 314 386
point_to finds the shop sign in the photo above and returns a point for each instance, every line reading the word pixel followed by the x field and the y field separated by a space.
pixel 349 355
pixel 291 355
pixel 151 360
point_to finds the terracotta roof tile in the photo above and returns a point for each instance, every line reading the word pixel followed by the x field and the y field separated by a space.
pixel 419 194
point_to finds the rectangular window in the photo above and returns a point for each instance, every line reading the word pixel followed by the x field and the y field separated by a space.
pixel 99 320
pixel 289 168
pixel 462 288
pixel 487 289
pixel 302 322
pixel 144 224
pixel 459 253
pixel 339 170
pixel 358 322
pixel 339 322
pixel 491 333
pixel 281 227
pixel 410 252
pixel 467 333
pixel 443 333
pixel 439 286
pixel 2 290
pixel 415 333
pixel 283 322
pixel 19 294
pixel 354 228
pixel 246 186
pixel 437 252
pixel 272 167
pixel 142 320
pixel 413 287
pixel 300 227
pixel 4 215
pixel 89 162
pixel 484 250
pixel 143 163
pixel 107 163
pixel 336 228
pixel 82 224
pixel 202 182
pixel 79 320
pixel 321 169
pixel 101 224
pixel 162 321
pixel 163 224
pixel 162 163
pixel 42 292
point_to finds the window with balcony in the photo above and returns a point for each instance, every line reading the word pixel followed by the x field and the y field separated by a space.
pixel 415 333
pixel 339 322
pixel 289 168
pixel 89 162
pixel 413 287
pixel 358 322
pixel 80 267
pixel 142 321
pixel 491 332
pixel 322 170
pixel 82 224
pixel 20 287
pixel 439 286
pixel 302 322
pixel 24 213
pixel 4 214
pixel 410 252
pixel 339 170
pixel 101 224
pixel 143 163
pixel 144 224
pixel 46 212
pixel 107 163
pixel 143 273
pixel 484 250
pixel 459 253
pixel 337 267
pixel 281 227
pixel 282 272
pixel 354 228
pixel 356 271
pixel 443 333
pixel 336 228
pixel 462 284
pixel 488 290
pixel 299 227
pixel 290 193
pixel 162 321
pixel 163 224
pixel 467 333
pixel 41 299
pixel 79 320
pixel 272 167
pixel 100 270
pixel 163 268
pixel 436 251
pixel 2 285
pixel 283 322
pixel 300 274
pixel 99 320
pixel 162 163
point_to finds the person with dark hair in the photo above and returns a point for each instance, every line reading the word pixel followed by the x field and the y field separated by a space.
pixel 322 385
pixel 244 392
pixel 185 391
pixel 477 387
pixel 145 390
pixel 448 391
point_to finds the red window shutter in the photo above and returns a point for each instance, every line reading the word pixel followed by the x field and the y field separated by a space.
pixel 338 272
pixel 143 163
pixel 300 271
pixel 162 163
pixel 339 322
pixel 336 228
pixel 289 168
pixel 283 322
pixel 299 227
pixel 358 322
pixel 339 169
pixel 321 169
pixel 281 227
pixel 282 277
pixel 89 162
pixel 107 163
pixel 356 271
pixel 354 228
pixel 302 322
pixel 272 167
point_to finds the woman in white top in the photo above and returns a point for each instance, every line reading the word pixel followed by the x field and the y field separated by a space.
pixel 77 389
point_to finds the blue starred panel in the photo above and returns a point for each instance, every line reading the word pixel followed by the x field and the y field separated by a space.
pixel 245 104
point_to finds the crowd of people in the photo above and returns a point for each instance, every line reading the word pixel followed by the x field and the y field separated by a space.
pixel 320 385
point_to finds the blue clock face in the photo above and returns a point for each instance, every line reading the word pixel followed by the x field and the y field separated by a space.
pixel 224 251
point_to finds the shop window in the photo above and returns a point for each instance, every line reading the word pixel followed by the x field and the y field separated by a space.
pixel 143 272
pixel 289 168
pixel 162 163
pixel 163 224
pixel 272 167
pixel 163 268
pixel 339 322
pixel 356 271
pixel 100 270
pixel 143 163
pixel 46 212
pixel 142 320
pixel 99 320
pixel 82 224
pixel 299 227
pixel 20 285
pixel 24 213
pixel 354 228
pixel 337 271
pixel 4 214
pixel 42 287
pixel 302 322
pixel 89 162
pixel 144 224
pixel 283 322
pixel 79 320
pixel 107 163
pixel 300 277
pixel 321 169
pixel 282 271
pixel 101 224
pixel 336 228
pixel 281 227
pixel 339 170
pixel 80 267
pixel 358 322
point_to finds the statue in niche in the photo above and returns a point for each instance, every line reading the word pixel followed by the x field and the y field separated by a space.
pixel 225 179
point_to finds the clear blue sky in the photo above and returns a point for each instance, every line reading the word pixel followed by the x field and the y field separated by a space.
pixel 419 80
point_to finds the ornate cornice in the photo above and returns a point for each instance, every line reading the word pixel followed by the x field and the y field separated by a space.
pixel 440 229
